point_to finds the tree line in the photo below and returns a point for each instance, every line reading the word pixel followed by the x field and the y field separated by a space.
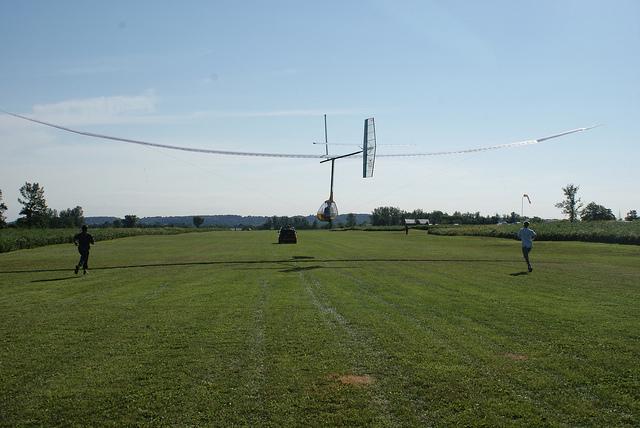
pixel 36 213
pixel 573 207
pixel 393 216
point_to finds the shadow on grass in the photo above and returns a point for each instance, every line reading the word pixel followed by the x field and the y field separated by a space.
pixel 296 259
pixel 301 268
pixel 524 272
pixel 304 268
pixel 56 279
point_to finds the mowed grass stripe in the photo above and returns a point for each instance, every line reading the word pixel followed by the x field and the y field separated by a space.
pixel 362 355
pixel 302 354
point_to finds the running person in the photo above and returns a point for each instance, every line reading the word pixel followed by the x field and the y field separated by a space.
pixel 83 241
pixel 527 236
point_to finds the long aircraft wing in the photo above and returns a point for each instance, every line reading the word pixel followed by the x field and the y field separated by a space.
pixel 289 155
pixel 496 147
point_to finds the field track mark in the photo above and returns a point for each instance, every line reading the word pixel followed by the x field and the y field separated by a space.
pixel 363 346
pixel 401 374
pixel 257 380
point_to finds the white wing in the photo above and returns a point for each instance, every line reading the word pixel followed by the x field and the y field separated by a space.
pixel 290 155
pixel 499 146
pixel 167 146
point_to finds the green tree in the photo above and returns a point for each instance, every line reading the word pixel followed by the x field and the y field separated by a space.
pixel 456 217
pixel 436 217
pixel 387 216
pixel 594 212
pixel 53 220
pixel 268 224
pixel 34 206
pixel 130 220
pixel 494 219
pixel 514 218
pixel 351 220
pixel 417 214
pixel 571 204
pixel 71 217
pixel 300 222
pixel 3 208
pixel 197 221
pixel 631 215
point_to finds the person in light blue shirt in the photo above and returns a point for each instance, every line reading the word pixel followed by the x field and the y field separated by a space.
pixel 527 236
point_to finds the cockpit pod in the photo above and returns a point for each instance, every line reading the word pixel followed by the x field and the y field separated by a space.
pixel 328 211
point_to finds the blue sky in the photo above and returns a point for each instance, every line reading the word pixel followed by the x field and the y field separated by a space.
pixel 258 76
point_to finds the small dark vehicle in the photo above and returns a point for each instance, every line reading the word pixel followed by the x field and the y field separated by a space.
pixel 287 235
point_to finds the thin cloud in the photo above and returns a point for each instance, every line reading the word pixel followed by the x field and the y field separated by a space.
pixel 98 110
pixel 211 78
pixel 141 109
pixel 287 71
pixel 275 113
pixel 91 69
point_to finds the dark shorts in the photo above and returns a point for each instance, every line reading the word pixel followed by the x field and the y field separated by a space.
pixel 84 258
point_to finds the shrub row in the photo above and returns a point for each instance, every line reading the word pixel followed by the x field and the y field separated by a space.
pixel 12 239
pixel 610 232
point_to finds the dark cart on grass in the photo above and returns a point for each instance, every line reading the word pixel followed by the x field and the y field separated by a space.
pixel 287 235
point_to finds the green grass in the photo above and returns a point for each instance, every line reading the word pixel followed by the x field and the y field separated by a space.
pixel 227 328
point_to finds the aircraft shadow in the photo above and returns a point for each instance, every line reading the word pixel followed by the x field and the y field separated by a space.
pixel 304 268
pixel 55 279
pixel 296 259
pixel 301 268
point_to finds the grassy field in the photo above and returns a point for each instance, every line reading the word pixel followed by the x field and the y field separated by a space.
pixel 344 328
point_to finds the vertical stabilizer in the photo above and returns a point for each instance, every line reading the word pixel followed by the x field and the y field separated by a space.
pixel 368 148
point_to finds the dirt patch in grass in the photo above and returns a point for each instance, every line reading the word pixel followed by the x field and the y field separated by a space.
pixel 516 357
pixel 350 379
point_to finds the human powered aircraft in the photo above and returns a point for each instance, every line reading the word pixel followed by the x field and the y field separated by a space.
pixel 328 210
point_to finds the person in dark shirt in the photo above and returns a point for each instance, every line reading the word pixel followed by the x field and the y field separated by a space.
pixel 83 241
